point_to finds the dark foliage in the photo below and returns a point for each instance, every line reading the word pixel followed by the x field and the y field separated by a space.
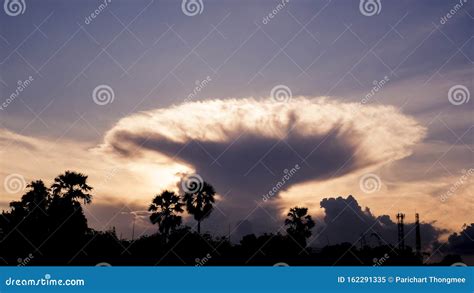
pixel 48 227
pixel 199 203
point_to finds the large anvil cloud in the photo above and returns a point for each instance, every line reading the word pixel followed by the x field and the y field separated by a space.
pixel 244 146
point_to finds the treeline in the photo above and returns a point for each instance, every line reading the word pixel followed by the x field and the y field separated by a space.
pixel 48 227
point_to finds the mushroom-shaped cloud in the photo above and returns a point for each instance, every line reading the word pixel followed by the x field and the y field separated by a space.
pixel 244 147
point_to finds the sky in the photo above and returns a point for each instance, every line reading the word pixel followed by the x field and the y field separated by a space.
pixel 275 103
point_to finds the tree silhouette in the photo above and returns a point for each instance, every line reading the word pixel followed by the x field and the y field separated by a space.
pixel 36 200
pixel 165 208
pixel 199 202
pixel 299 225
pixel 67 220
pixel 72 186
pixel 52 220
pixel 18 211
pixel 35 203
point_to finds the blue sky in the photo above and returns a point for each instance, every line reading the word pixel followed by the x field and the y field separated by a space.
pixel 155 60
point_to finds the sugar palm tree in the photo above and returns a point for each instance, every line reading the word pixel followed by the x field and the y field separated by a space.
pixel 66 216
pixel 72 186
pixel 299 225
pixel 199 203
pixel 35 203
pixel 166 207
pixel 36 199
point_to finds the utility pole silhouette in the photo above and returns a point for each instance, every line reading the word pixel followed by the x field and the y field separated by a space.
pixel 401 231
pixel 418 235
pixel 133 229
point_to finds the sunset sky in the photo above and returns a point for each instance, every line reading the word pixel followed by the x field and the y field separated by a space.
pixel 373 106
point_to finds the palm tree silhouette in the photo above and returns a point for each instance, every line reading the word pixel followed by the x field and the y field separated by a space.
pixel 66 220
pixel 72 186
pixel 35 203
pixel 165 207
pixel 299 225
pixel 36 200
pixel 199 202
